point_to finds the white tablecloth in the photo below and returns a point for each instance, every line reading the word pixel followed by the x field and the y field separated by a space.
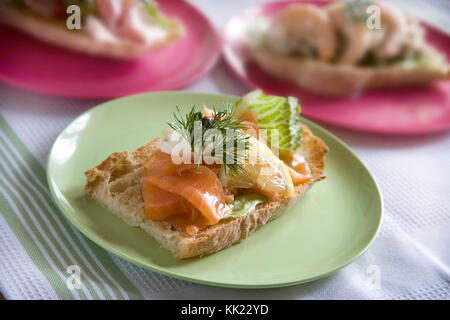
pixel 410 259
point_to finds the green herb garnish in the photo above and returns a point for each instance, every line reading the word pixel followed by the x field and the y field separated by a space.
pixel 357 10
pixel 233 146
pixel 152 9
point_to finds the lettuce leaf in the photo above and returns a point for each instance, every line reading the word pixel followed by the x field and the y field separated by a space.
pixel 280 116
pixel 244 203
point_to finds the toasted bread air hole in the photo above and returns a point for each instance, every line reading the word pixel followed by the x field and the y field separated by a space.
pixel 120 187
pixel 120 171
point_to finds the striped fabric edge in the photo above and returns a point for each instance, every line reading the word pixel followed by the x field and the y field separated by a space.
pixel 51 241
pixel 12 253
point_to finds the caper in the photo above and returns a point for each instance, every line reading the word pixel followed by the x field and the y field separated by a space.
pixel 198 116
pixel 207 122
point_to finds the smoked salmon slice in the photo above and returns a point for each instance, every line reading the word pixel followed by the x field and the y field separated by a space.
pixel 171 190
pixel 250 123
pixel 298 167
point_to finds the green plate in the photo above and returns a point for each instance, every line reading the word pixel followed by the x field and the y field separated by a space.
pixel 324 231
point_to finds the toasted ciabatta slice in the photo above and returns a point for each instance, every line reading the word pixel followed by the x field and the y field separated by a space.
pixel 81 41
pixel 115 184
pixel 341 80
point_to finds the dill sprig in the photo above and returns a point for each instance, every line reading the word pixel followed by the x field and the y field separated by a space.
pixel 222 121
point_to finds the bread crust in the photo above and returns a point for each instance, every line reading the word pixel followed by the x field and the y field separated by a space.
pixel 339 80
pixel 80 41
pixel 115 184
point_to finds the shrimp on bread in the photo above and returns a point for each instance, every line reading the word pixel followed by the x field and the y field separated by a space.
pixel 121 29
pixel 303 29
pixel 362 58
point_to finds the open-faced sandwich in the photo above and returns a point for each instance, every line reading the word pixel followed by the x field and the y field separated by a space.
pixel 345 48
pixel 113 28
pixel 213 177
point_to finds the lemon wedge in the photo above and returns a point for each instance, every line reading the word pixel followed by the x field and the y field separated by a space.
pixel 263 171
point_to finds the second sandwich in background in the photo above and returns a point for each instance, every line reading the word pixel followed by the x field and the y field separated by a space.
pixel 333 51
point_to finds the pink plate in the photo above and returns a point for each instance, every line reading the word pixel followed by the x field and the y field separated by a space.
pixel 41 67
pixel 412 110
